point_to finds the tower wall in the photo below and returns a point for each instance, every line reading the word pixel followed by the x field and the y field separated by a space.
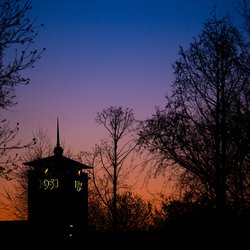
pixel 58 203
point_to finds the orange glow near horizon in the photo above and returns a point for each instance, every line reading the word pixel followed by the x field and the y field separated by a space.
pixel 100 54
pixel 148 191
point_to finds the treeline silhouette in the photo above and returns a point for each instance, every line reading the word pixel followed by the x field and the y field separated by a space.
pixel 201 137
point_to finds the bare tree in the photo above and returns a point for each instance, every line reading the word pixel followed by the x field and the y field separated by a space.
pixel 109 157
pixel 133 213
pixel 17 35
pixel 15 201
pixel 43 147
pixel 204 128
pixel 9 161
pixel 17 54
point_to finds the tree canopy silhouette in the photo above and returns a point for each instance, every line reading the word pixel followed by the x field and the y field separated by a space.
pixel 204 128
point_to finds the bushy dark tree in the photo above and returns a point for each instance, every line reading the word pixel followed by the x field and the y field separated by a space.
pixel 133 213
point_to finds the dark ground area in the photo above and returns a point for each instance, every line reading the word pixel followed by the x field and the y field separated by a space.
pixel 234 234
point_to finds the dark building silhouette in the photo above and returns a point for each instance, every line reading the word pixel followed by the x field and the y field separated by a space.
pixel 57 196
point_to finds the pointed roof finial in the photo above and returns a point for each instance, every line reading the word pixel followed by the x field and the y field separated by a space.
pixel 58 150
pixel 57 133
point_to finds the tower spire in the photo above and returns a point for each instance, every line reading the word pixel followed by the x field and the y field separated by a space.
pixel 57 133
pixel 58 150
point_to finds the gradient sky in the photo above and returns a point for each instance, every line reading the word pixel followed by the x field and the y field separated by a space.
pixel 102 53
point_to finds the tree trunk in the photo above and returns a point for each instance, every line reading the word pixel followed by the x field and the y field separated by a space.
pixel 115 188
pixel 220 154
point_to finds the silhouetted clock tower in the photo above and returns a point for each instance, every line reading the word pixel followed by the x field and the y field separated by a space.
pixel 57 195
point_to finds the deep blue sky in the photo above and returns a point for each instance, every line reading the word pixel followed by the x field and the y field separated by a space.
pixel 101 53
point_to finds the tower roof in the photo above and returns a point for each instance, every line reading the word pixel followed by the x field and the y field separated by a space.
pixel 58 160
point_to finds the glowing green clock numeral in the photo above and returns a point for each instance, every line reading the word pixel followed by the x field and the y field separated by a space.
pixel 48 184
pixel 78 186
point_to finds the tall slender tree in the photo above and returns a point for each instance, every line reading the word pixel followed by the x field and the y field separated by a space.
pixel 108 158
